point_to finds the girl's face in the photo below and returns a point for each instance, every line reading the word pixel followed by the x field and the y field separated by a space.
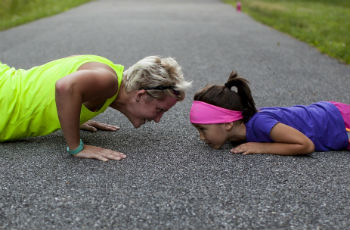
pixel 215 135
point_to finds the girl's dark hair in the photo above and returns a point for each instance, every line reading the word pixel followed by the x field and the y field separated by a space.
pixel 223 96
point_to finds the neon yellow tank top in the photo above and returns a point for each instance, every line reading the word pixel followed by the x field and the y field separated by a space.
pixel 27 97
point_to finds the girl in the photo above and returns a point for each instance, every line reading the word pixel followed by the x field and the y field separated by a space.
pixel 221 115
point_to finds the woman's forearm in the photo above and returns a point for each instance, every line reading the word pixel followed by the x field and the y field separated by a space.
pixel 68 104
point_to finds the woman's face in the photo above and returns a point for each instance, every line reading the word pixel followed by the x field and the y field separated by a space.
pixel 215 135
pixel 147 108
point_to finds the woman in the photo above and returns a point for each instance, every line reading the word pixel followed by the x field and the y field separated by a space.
pixel 66 93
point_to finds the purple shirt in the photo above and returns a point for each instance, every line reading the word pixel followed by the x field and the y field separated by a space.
pixel 321 122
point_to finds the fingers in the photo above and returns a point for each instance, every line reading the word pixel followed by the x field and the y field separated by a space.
pixel 106 127
pixel 98 157
pixel 236 150
pixel 94 126
pixel 103 157
pixel 241 149
pixel 88 128
pixel 93 152
pixel 110 156
pixel 117 157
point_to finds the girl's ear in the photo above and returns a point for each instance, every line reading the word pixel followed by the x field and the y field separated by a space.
pixel 228 126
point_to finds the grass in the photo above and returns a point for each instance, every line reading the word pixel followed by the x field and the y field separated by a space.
pixel 324 24
pixel 16 12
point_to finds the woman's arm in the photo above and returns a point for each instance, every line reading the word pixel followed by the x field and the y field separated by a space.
pixel 287 141
pixel 74 90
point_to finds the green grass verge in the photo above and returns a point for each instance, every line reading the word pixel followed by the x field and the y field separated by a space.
pixel 324 24
pixel 16 12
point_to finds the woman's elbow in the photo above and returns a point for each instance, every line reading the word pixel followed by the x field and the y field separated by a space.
pixel 62 88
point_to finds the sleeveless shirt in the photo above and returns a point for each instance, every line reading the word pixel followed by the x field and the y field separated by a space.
pixel 27 97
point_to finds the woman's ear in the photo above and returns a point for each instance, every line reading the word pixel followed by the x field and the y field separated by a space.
pixel 140 94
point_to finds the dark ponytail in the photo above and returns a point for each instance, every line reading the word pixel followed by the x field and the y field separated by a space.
pixel 224 97
pixel 244 93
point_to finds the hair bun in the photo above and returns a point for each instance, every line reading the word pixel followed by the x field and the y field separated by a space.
pixel 231 79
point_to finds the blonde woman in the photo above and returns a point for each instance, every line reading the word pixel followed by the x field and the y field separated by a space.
pixel 66 93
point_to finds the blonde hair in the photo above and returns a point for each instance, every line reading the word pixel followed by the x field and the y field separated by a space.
pixel 159 76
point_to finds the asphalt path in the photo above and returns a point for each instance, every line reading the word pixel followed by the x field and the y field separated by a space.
pixel 170 180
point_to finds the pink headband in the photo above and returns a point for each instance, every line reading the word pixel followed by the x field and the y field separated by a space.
pixel 204 113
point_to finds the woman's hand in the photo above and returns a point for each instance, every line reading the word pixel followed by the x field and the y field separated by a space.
pixel 93 152
pixel 93 126
pixel 76 89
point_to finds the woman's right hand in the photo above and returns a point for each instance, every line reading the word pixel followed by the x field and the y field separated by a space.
pixel 93 152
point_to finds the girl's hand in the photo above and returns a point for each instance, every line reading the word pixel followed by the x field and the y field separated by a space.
pixel 93 126
pixel 287 141
pixel 247 148
pixel 93 152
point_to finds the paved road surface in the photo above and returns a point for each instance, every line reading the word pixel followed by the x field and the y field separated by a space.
pixel 170 179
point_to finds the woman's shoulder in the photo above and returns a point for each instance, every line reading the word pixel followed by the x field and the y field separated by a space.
pixel 91 57
pixel 95 61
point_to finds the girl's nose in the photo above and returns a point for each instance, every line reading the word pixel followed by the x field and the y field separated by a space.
pixel 201 136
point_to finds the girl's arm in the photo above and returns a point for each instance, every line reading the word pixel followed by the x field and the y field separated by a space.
pixel 287 141
pixel 74 90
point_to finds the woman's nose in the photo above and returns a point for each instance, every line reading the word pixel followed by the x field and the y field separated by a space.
pixel 158 117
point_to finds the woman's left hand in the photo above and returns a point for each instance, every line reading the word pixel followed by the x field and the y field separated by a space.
pixel 93 126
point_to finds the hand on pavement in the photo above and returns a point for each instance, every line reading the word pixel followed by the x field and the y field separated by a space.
pixel 93 152
pixel 93 126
